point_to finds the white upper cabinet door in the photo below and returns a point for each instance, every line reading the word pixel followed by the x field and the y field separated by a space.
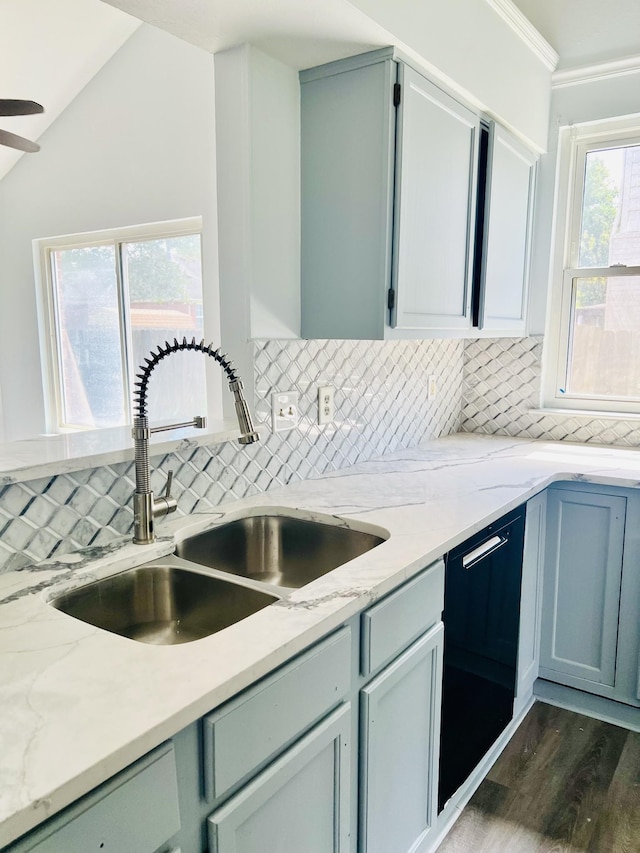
pixel 436 164
pixel 510 184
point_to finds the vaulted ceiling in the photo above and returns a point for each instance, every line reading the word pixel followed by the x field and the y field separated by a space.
pixel 581 31
pixel 50 49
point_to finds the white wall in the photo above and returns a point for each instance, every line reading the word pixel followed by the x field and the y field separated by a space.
pixel 74 37
pixel 275 193
pixel 137 145
pixel 469 45
pixel 598 97
pixel 258 162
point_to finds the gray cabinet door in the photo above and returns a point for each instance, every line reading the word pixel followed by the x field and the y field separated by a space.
pixel 399 748
pixel 299 803
pixel 503 304
pixel 436 162
pixel 347 157
pixel 581 599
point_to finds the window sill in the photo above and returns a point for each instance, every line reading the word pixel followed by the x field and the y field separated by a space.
pixel 48 455
pixel 589 413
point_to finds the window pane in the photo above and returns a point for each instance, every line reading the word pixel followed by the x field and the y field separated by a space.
pixel 90 353
pixel 604 358
pixel 610 223
pixel 165 292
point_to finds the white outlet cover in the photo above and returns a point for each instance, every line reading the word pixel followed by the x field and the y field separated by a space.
pixel 432 389
pixel 326 404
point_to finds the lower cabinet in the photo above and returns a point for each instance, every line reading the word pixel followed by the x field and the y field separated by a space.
pixel 590 638
pixel 135 812
pixel 280 767
pixel 583 570
pixel 301 802
pixel 399 744
pixel 247 733
pixel 287 766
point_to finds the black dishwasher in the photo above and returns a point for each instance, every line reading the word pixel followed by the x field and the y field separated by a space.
pixel 481 622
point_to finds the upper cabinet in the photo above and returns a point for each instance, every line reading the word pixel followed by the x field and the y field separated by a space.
pixel 435 184
pixel 415 217
pixel 347 118
pixel 505 222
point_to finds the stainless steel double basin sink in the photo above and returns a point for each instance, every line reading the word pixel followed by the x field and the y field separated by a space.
pixel 190 595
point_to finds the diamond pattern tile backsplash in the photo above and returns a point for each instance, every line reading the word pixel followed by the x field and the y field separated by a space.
pixel 381 405
pixel 501 394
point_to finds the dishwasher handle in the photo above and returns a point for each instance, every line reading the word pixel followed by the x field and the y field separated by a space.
pixel 472 557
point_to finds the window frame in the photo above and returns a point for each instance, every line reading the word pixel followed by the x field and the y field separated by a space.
pixel 50 350
pixel 575 142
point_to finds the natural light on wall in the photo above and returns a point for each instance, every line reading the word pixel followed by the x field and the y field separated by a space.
pixel 109 299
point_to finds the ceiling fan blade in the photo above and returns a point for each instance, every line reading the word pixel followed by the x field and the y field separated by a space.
pixel 19 142
pixel 11 107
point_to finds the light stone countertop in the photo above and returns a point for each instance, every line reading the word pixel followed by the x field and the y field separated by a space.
pixel 78 704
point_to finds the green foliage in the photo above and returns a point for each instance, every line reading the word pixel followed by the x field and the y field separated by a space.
pixel 591 291
pixel 164 270
pixel 598 215
pixel 157 271
pixel 85 275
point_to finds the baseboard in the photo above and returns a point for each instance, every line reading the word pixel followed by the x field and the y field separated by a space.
pixel 588 704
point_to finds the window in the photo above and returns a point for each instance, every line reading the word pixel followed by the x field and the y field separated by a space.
pixel 595 318
pixel 108 299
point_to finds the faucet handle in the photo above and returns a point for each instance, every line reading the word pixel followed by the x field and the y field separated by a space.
pixel 167 489
pixel 162 505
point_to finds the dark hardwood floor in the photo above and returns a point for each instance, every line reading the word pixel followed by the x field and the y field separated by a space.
pixel 564 784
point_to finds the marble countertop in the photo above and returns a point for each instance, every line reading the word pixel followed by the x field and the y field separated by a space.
pixel 78 704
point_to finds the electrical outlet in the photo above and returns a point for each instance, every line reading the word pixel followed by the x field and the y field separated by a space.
pixel 284 410
pixel 326 404
pixel 432 388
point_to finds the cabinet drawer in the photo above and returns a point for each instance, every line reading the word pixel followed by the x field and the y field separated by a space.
pixel 395 622
pixel 298 804
pixel 244 734
pixel 135 812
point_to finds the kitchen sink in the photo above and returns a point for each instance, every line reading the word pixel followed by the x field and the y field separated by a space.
pixel 277 549
pixel 162 605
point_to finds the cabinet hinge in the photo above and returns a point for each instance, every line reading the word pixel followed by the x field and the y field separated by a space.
pixel 397 94
pixel 391 299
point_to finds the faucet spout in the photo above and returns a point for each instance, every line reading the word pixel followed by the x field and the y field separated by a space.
pixel 248 433
pixel 147 507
